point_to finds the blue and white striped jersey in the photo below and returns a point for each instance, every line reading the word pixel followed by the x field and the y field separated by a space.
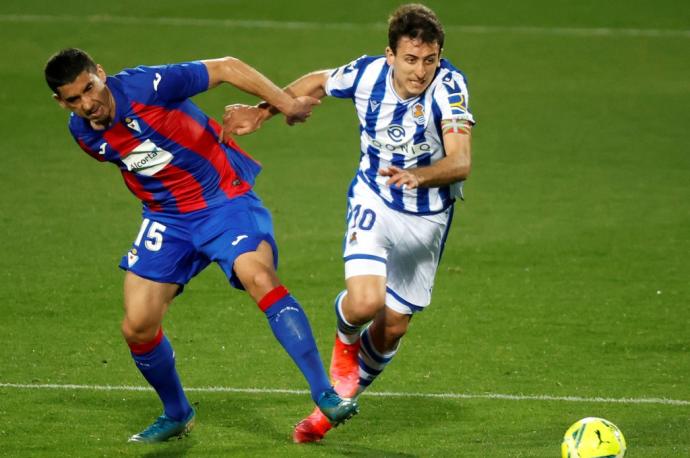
pixel 403 133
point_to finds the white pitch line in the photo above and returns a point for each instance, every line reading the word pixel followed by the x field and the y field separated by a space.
pixel 300 25
pixel 384 394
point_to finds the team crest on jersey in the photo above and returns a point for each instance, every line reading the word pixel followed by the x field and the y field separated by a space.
pixel 418 113
pixel 133 124
pixel 353 238
pixel 132 257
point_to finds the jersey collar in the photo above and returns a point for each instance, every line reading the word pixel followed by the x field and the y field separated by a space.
pixel 121 100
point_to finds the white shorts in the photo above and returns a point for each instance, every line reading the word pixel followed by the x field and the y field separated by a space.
pixel 402 247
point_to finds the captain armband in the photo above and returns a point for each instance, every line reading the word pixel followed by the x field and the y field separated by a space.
pixel 456 126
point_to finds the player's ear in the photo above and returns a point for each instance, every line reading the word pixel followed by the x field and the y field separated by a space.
pixel 100 73
pixel 59 100
pixel 390 55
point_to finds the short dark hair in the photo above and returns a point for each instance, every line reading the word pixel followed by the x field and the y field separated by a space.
pixel 417 22
pixel 64 66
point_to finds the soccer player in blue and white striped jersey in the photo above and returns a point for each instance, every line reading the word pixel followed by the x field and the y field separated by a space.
pixel 415 149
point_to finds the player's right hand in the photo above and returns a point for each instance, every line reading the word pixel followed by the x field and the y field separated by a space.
pixel 240 119
pixel 301 109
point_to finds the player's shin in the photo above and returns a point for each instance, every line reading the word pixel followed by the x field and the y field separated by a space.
pixel 372 361
pixel 291 327
pixel 156 362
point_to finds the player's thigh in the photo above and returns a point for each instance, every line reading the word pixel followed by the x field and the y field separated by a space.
pixel 255 271
pixel 239 237
pixel 413 261
pixel 160 262
pixel 365 297
pixel 145 303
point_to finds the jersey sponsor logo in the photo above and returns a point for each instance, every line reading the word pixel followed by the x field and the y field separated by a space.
pixel 147 159
pixel 156 81
pixel 133 124
pixel 101 149
pixel 406 148
pixel 396 132
pixel 418 113
pixel 374 105
pixel 238 239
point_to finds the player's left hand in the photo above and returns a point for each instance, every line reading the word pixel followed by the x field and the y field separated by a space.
pixel 400 178
pixel 240 119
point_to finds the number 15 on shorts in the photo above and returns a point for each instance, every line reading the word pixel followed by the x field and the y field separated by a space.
pixel 154 235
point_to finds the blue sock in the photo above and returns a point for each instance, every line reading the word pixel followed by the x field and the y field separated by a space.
pixel 158 368
pixel 291 327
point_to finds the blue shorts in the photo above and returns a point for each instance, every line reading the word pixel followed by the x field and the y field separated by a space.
pixel 173 248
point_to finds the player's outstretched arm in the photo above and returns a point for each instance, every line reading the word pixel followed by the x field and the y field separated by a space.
pixel 241 119
pixel 312 84
pixel 452 168
pixel 244 119
pixel 246 78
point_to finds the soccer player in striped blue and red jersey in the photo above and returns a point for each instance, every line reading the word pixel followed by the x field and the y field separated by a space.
pixel 198 208
pixel 415 130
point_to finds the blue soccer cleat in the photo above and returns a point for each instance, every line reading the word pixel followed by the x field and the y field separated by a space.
pixel 335 408
pixel 164 428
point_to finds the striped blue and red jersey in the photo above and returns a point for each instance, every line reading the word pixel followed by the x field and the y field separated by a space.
pixel 169 152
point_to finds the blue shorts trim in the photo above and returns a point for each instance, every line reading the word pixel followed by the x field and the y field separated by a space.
pixel 370 257
pixel 414 308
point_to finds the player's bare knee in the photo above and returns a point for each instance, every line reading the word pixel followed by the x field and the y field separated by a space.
pixel 138 332
pixel 262 279
pixel 363 306
pixel 265 280
pixel 260 282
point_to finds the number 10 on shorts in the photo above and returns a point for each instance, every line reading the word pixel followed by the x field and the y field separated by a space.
pixel 154 235
pixel 364 219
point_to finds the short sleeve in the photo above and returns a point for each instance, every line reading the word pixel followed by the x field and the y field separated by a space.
pixel 452 97
pixel 179 81
pixel 343 80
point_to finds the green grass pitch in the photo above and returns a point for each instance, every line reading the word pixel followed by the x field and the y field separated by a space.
pixel 566 273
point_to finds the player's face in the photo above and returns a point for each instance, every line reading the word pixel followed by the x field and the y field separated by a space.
pixel 414 65
pixel 88 97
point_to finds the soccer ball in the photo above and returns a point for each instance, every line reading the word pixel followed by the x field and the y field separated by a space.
pixel 593 437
